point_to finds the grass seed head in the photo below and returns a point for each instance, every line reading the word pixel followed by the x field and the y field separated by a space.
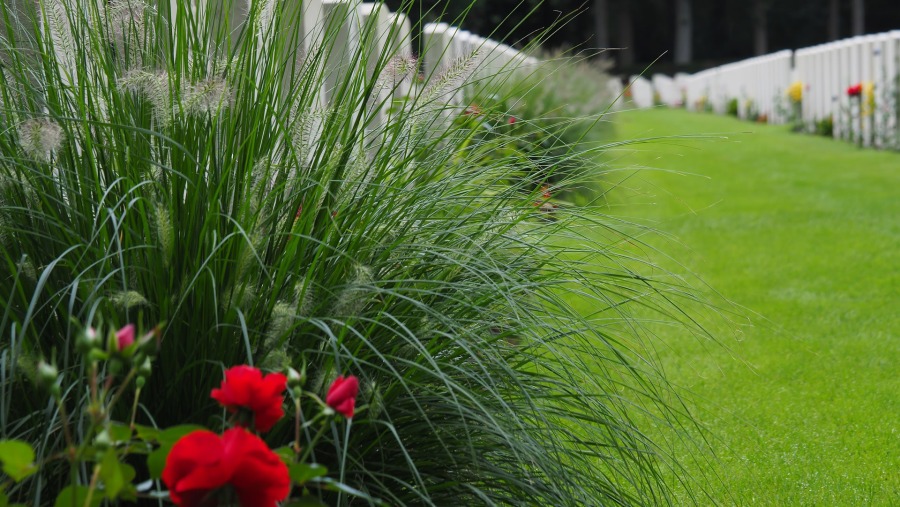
pixel 40 138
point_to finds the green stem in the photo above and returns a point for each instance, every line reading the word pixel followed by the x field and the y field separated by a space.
pixel 312 444
pixel 121 389
pixel 94 478
pixel 64 417
pixel 297 420
pixel 137 395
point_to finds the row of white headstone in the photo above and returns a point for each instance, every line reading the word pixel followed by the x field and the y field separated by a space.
pixel 349 25
pixel 828 70
pixel 759 86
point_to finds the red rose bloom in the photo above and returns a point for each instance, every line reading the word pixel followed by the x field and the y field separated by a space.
pixel 342 395
pixel 245 388
pixel 202 464
pixel 855 90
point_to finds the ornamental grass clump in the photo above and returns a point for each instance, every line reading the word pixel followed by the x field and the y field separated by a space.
pixel 559 108
pixel 178 163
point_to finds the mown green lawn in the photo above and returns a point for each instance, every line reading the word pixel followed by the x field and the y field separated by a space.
pixel 801 396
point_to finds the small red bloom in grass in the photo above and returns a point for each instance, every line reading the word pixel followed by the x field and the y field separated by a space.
pixel 472 110
pixel 855 90
pixel 342 395
pixel 512 120
pixel 202 465
pixel 545 191
pixel 125 337
pixel 245 388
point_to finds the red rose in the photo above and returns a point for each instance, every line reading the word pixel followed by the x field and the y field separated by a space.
pixel 854 91
pixel 245 388
pixel 202 464
pixel 342 395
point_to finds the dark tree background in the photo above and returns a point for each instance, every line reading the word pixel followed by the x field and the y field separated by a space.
pixel 711 31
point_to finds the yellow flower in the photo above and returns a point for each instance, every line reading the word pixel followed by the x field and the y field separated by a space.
pixel 795 91
pixel 868 103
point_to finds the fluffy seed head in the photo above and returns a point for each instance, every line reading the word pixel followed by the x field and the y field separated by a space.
pixel 40 138
pixel 207 96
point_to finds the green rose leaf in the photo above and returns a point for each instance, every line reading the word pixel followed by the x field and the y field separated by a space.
pixel 17 458
pixel 171 435
pixel 286 453
pixel 75 496
pixel 119 432
pixel 302 472
pixel 156 460
pixel 116 476
pixel 146 433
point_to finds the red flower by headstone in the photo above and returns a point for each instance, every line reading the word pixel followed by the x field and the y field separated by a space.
pixel 245 388
pixel 342 395
pixel 202 464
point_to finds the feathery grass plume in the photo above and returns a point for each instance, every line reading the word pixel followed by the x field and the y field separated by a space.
pixel 249 258
pixel 321 378
pixel 375 403
pixel 127 300
pixel 126 28
pixel 355 295
pixel 280 322
pixel 25 268
pixel 208 96
pixel 154 86
pixel 451 77
pixel 165 233
pixel 40 138
pixel 305 299
pixel 304 125
pixel 262 13
pixel 399 69
pixel 357 176
pixel 60 30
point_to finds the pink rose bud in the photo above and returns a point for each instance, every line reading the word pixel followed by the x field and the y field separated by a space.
pixel 125 337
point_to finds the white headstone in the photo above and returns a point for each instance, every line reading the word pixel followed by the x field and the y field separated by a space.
pixel 641 92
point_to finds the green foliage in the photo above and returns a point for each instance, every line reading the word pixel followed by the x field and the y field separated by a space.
pixel 825 127
pixel 164 165
pixel 77 496
pixel 732 108
pixel 548 117
pixel 17 458
pixel 303 472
